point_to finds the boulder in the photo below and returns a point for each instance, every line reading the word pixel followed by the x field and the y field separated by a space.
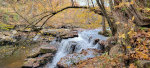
pixel 70 35
pixel 60 33
pixel 41 56
pixel 96 41
pixel 109 43
pixel 43 50
pixel 54 32
pixel 13 37
pixel 115 50
pixel 5 36
pixel 73 45
pixel 72 59
pixel 38 61
pixel 50 49
pixel 6 39
pixel 30 62
pixel 46 38
pixel 102 45
pixel 78 29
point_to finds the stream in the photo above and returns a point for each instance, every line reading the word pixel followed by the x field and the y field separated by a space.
pixel 84 41
pixel 65 47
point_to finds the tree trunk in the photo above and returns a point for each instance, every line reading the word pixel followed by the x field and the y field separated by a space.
pixel 111 5
pixel 111 23
pixel 103 25
pixel 92 3
pixel 72 2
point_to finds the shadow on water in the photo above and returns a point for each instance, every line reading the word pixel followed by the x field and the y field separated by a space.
pixel 14 56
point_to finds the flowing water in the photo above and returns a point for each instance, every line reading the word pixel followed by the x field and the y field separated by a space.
pixel 77 44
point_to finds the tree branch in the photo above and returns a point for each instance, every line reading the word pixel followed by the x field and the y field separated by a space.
pixel 83 7
pixel 69 7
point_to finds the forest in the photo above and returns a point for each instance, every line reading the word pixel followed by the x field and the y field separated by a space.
pixel 74 33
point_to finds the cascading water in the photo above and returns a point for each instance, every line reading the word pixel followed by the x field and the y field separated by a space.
pixel 83 41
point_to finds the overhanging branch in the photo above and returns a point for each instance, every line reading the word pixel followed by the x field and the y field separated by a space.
pixel 69 7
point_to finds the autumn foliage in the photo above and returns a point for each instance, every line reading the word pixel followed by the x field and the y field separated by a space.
pixel 140 44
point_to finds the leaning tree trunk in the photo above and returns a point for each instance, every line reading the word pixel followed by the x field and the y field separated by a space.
pixel 111 23
pixel 126 18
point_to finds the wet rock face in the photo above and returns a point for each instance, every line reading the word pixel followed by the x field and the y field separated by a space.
pixel 74 58
pixel 72 49
pixel 38 61
pixel 41 58
pixel 67 26
pixel 7 37
pixel 14 37
pixel 96 41
pixel 60 33
pixel 115 50
pixel 102 45
pixel 70 35
pixel 51 49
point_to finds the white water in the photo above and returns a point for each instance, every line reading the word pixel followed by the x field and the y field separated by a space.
pixel 83 41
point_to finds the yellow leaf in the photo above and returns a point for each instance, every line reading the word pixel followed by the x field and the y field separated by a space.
pixel 132 2
pixel 24 47
pixel 117 23
pixel 132 66
pixel 133 18
pixel 128 47
pixel 122 36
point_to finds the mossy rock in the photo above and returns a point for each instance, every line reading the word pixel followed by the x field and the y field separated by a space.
pixel 107 33
pixel 48 50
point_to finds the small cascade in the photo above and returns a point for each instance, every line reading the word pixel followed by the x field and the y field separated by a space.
pixel 85 40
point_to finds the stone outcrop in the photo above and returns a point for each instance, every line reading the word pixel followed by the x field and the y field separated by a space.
pixel 38 61
pixel 62 33
pixel 40 58
pixel 72 59
pixel 51 49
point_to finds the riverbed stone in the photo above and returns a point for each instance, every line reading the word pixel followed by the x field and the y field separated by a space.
pixel 115 50
pixel 38 61
pixel 62 33
pixel 50 49
pixel 43 50
pixel 72 59
pixel 70 35
pixel 102 45
pixel 96 41
pixel 109 43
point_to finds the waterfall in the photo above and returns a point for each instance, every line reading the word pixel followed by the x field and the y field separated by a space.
pixel 71 45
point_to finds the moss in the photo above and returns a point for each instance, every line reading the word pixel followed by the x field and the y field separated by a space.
pixel 16 17
pixel 5 26
pixel 123 9
pixel 5 18
pixel 143 28
pixel 107 33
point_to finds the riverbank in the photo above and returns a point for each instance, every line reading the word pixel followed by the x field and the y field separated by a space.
pixel 68 48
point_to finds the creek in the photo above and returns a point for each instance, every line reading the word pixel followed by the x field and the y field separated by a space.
pixel 85 40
